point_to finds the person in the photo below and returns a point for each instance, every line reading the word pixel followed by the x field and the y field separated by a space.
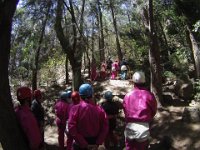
pixel 124 72
pixel 115 69
pixel 75 100
pixel 38 110
pixel 61 110
pixel 88 123
pixel 112 109
pixel 103 71
pixel 139 107
pixel 109 65
pixel 26 119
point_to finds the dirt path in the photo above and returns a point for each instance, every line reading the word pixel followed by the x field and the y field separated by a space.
pixel 169 131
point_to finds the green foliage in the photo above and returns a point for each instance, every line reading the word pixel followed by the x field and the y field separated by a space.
pixel 169 74
pixel 179 61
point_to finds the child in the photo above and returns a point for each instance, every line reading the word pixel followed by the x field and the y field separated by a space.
pixel 111 108
pixel 61 110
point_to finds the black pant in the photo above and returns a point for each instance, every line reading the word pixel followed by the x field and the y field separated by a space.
pixel 90 141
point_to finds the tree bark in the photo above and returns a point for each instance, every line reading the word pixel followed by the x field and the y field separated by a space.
pixel 37 55
pixel 75 49
pixel 119 52
pixel 10 135
pixel 195 52
pixel 154 58
pixel 66 69
pixel 101 36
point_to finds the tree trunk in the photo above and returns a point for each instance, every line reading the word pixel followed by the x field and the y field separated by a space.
pixel 165 53
pixel 119 52
pixel 195 51
pixel 154 58
pixel 66 70
pixel 37 55
pixel 10 136
pixel 73 50
pixel 76 78
pixel 101 39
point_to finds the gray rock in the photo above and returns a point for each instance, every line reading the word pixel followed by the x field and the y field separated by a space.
pixel 191 114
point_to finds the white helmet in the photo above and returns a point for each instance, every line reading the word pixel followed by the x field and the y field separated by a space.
pixel 139 77
pixel 123 68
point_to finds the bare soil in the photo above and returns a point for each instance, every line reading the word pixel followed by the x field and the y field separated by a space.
pixel 169 130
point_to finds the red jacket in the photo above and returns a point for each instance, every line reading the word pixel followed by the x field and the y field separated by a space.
pixel 139 105
pixel 87 120
pixel 29 126
pixel 61 110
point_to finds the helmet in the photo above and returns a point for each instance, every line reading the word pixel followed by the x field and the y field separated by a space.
pixel 37 93
pixel 139 77
pixel 24 93
pixel 123 68
pixel 64 95
pixel 108 95
pixel 85 90
pixel 75 97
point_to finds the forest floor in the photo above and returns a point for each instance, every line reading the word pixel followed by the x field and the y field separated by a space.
pixel 170 131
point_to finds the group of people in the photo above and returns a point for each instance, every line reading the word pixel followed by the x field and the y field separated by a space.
pixel 88 125
pixel 110 69
pixel 30 115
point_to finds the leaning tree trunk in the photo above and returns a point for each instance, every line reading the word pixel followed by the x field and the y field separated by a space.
pixel 66 70
pixel 195 51
pixel 119 52
pixel 10 135
pixel 154 58
pixel 74 54
pixel 101 37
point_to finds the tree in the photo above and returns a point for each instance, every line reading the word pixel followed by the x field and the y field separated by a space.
pixel 119 52
pixel 37 54
pixel 71 42
pixel 10 137
pixel 191 10
pixel 154 57
pixel 101 35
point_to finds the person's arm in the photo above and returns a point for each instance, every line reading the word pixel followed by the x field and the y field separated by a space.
pixel 104 127
pixel 31 129
pixel 72 126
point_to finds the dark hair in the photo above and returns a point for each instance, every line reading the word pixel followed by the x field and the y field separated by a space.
pixel 23 101
pixel 140 84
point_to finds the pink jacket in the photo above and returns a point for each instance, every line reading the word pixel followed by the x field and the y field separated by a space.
pixel 87 120
pixel 139 105
pixel 61 110
pixel 29 126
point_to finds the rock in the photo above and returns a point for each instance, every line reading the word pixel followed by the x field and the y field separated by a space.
pixel 191 114
pixel 186 91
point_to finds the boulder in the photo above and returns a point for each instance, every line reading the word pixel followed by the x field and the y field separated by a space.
pixel 191 114
pixel 186 91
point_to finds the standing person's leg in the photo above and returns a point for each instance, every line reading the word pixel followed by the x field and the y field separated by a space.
pixel 61 138
pixel 69 142
pixel 134 145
